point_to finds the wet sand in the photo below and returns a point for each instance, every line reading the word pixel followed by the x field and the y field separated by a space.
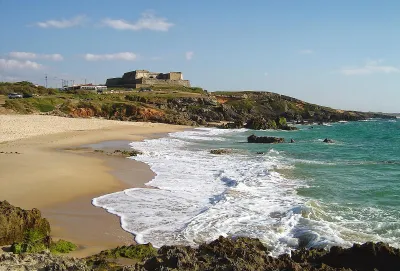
pixel 59 174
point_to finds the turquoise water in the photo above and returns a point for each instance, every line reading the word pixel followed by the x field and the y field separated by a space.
pixel 354 182
pixel 302 194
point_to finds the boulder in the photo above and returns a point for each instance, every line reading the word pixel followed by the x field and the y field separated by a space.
pixel 220 151
pixel 366 257
pixel 265 139
pixel 326 140
pixel 15 222
pixel 289 128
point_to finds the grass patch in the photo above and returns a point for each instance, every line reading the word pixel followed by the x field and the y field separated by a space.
pixel 30 105
pixel 62 246
pixel 135 252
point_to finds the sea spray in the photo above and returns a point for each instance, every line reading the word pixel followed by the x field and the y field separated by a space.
pixel 280 196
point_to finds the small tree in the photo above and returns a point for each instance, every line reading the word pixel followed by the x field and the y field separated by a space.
pixel 282 122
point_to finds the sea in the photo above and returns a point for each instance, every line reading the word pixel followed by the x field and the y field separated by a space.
pixel 290 195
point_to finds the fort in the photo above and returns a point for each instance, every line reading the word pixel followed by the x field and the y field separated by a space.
pixel 143 78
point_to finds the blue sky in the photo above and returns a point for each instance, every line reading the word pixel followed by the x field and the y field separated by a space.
pixel 344 54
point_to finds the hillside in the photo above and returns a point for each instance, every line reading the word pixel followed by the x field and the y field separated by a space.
pixel 188 106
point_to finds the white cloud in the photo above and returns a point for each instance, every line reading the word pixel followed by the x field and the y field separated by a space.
pixel 29 55
pixel 13 64
pixel 55 57
pixel 117 56
pixel 189 55
pixel 306 52
pixel 64 23
pixel 147 21
pixel 370 67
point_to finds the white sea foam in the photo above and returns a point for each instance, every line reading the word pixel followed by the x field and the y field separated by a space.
pixel 200 196
pixel 197 196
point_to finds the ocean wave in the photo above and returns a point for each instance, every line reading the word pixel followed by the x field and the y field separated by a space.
pixel 199 197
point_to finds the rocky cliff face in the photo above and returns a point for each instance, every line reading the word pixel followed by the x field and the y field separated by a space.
pixel 260 110
pixel 254 110
pixel 15 222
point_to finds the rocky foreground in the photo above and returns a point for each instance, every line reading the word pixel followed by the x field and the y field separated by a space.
pixel 222 254
pixel 240 253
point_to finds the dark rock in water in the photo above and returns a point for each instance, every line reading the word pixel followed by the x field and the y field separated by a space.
pixel 15 222
pixel 259 152
pixel 232 125
pixel 220 151
pixel 288 128
pixel 326 140
pixel 264 139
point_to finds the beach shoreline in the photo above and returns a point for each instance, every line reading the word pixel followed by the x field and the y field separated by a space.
pixel 58 172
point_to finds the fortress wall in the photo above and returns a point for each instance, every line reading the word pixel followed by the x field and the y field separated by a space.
pixel 175 76
pixel 114 81
pixel 167 82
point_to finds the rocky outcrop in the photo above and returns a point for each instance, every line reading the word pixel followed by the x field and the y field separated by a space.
pixel 15 222
pixel 250 254
pixel 40 261
pixel 236 254
pixel 327 140
pixel 221 151
pixel 365 257
pixel 265 139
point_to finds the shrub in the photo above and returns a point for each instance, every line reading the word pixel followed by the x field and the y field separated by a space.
pixel 271 124
pixel 282 122
pixel 34 241
pixel 62 246
pixel 16 248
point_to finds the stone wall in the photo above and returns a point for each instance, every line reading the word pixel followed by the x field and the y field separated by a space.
pixel 147 82
pixel 175 76
pixel 114 81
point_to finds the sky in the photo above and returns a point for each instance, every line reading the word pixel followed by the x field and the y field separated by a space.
pixel 342 54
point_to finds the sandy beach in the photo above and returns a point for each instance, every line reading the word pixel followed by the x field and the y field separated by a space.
pixel 47 162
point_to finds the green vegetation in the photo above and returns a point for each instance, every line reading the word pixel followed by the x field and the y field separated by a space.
pixel 24 87
pixel 34 241
pixel 185 106
pixel 282 122
pixel 128 153
pixel 137 252
pixel 244 105
pixel 31 105
pixel 104 260
pixel 62 246
pixel 271 124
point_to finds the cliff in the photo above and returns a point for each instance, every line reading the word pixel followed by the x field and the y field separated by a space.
pixel 189 106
